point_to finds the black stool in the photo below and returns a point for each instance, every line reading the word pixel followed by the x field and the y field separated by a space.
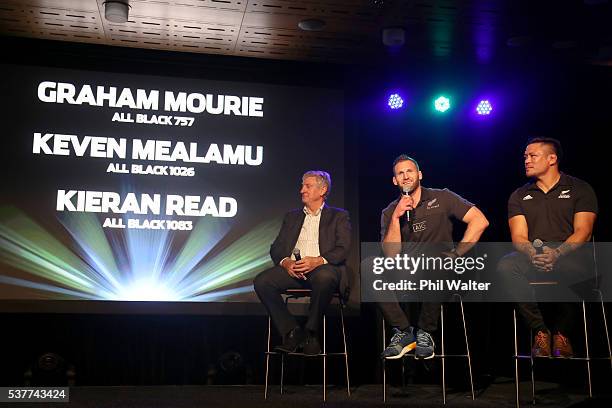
pixel 586 359
pixel 296 294
pixel 442 356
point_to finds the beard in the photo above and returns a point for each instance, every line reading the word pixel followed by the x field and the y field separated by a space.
pixel 409 188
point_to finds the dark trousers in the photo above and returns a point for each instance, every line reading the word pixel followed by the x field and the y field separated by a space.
pixel 429 314
pixel 272 283
pixel 396 317
pixel 574 277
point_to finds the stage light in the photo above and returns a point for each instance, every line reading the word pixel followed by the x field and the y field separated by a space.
pixel 395 101
pixel 484 107
pixel 116 11
pixel 442 104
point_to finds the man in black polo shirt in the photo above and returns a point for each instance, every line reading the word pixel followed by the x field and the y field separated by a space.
pixel 555 212
pixel 431 212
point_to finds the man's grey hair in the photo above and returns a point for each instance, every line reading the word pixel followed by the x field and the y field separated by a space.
pixel 323 179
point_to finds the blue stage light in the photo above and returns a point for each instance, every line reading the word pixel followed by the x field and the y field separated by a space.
pixel 484 107
pixel 395 101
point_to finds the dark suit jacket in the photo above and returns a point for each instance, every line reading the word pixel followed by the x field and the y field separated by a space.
pixel 334 239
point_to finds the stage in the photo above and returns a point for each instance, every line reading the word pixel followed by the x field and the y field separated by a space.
pixel 499 394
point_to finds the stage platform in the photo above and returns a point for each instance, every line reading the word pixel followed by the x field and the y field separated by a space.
pixel 500 394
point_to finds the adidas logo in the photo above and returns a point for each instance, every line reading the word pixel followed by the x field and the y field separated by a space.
pixel 527 197
pixel 564 194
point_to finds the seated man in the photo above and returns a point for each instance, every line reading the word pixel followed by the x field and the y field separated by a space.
pixel 422 217
pixel 322 235
pixel 556 211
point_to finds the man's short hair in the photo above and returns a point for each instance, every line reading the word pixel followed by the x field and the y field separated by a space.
pixel 551 142
pixel 404 157
pixel 323 179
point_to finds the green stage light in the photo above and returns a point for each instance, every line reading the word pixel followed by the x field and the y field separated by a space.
pixel 442 104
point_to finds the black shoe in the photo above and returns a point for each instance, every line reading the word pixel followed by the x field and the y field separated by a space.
pixel 401 343
pixel 424 345
pixel 311 345
pixel 293 341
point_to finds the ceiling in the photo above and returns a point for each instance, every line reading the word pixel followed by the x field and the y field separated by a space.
pixel 474 29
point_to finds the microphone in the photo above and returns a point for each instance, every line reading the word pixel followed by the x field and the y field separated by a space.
pixel 296 254
pixel 298 257
pixel 538 244
pixel 405 192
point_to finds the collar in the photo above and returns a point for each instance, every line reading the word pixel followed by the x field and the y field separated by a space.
pixel 316 213
pixel 564 180
pixel 426 195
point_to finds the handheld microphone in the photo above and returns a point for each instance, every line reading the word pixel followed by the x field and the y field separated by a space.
pixel 296 254
pixel 298 257
pixel 538 244
pixel 405 192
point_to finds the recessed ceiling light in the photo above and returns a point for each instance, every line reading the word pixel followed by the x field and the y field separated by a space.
pixel 116 11
pixel 311 24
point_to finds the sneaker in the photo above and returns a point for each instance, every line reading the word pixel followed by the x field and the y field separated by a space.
pixel 562 347
pixel 311 345
pixel 424 345
pixel 401 343
pixel 541 345
pixel 293 340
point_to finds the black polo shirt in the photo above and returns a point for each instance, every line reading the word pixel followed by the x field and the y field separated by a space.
pixel 550 216
pixel 431 220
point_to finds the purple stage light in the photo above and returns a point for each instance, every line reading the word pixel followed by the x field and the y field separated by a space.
pixel 484 107
pixel 395 101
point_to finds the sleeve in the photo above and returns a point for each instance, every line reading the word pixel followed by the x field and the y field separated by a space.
pixel 458 206
pixel 340 251
pixel 277 246
pixel 384 223
pixel 587 200
pixel 515 206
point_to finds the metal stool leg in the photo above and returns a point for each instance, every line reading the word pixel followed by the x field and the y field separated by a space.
pixel 268 362
pixel 467 347
pixel 516 364
pixel 586 345
pixel 348 381
pixel 384 364
pixel 516 370
pixel 603 313
pixel 324 358
pixel 403 362
pixel 282 372
pixel 533 400
pixel 443 355
pixel 268 358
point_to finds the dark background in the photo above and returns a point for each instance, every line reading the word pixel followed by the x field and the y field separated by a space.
pixel 481 160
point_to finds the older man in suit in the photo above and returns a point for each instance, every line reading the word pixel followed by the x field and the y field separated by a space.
pixel 322 235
